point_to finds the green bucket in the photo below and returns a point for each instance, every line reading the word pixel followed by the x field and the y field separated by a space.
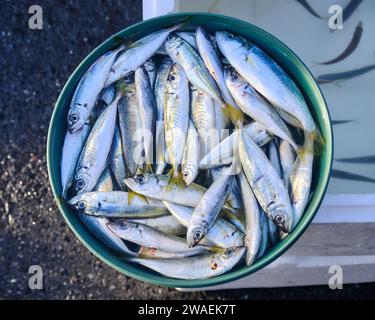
pixel 281 54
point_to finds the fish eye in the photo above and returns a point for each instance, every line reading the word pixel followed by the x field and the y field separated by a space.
pixel 235 77
pixel 171 77
pixel 73 118
pixel 185 174
pixel 140 178
pixel 279 219
pixel 80 183
pixel 81 205
pixel 197 235
pixel 229 251
pixel 230 36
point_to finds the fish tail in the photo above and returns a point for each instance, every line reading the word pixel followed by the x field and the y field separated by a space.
pixel 175 176
pixel 234 114
pixel 318 142
pixel 132 194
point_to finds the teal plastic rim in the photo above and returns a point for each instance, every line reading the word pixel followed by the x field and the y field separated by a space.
pixel 285 57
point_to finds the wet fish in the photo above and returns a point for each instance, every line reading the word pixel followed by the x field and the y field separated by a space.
pixel 345 175
pixel 167 224
pixel 253 229
pixel 287 160
pixel 108 94
pixel 300 181
pixel 265 182
pixel 362 160
pixel 72 148
pixel 203 115
pixel 327 78
pixel 131 128
pixel 191 155
pixel 184 54
pixel 116 204
pixel 222 233
pixel 159 91
pixel 94 156
pixel 353 44
pixel 255 106
pixel 116 160
pixel 176 115
pixel 222 154
pixel 88 90
pixel 264 241
pixel 199 267
pixel 147 110
pixel 137 54
pixel 105 182
pixel 266 77
pixel 150 67
pixel 208 208
pixel 213 63
pixel 146 236
pixel 307 6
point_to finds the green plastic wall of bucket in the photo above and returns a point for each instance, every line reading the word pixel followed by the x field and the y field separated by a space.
pixel 279 52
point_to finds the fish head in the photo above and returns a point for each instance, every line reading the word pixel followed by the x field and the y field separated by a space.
pixel 129 78
pixel 196 234
pixel 174 79
pixel 283 219
pixel 187 176
pixel 173 43
pixel 150 65
pixel 83 204
pixel 82 181
pixel 143 183
pixel 77 118
pixel 141 75
pixel 120 227
pixel 233 80
pixel 226 41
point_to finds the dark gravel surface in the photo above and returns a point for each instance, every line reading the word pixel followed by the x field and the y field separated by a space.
pixel 34 66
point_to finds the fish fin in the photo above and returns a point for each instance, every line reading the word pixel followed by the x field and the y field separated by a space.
pixel 319 142
pixel 149 168
pixel 121 87
pixel 217 250
pixel 175 177
pixel 234 114
pixel 132 194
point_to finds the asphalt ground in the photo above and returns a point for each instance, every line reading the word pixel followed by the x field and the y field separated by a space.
pixel 34 65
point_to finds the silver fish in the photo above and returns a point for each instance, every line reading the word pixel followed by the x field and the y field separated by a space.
pixel 137 54
pixel 150 67
pixel 199 267
pixel 98 225
pixel 176 115
pixel 300 180
pixel 287 160
pixel 191 155
pixel 203 115
pixel 208 208
pixel 108 94
pixel 253 231
pixel 265 182
pixel 159 90
pixel 265 76
pixel 116 160
pixel 255 106
pixel 222 154
pixel 72 148
pixel 264 241
pixel 213 63
pixel 94 156
pixel 167 224
pixel 148 237
pixel 88 90
pixel 222 233
pixel 184 54
pixel 116 204
pixel 147 110
pixel 131 128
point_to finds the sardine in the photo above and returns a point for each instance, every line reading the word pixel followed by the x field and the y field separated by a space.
pixel 94 156
pixel 287 160
pixel 222 233
pixel 253 231
pixel 267 186
pixel 137 54
pixel 131 128
pixel 209 206
pixel 176 115
pixel 116 204
pixel 167 224
pixel 190 159
pixel 150 67
pixel 266 77
pixel 147 110
pixel 255 106
pixel 116 160
pixel 88 90
pixel 200 267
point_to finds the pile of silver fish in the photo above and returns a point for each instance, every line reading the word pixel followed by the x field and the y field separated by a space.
pixel 188 153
